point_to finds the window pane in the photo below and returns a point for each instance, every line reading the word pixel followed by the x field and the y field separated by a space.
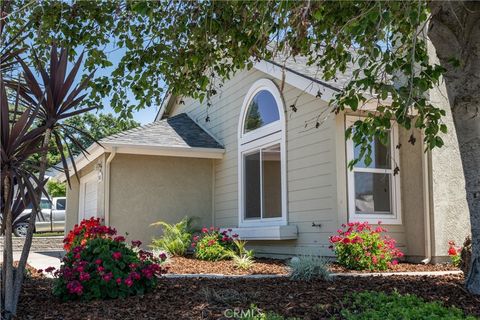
pixel 380 156
pixel 44 204
pixel 272 182
pixel 61 204
pixel 261 111
pixel 252 185
pixel 372 193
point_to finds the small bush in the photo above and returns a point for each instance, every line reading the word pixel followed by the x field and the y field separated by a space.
pixel 213 245
pixel 105 267
pixel 359 246
pixel 86 230
pixel 308 267
pixel 254 313
pixel 454 253
pixel 176 237
pixel 241 257
pixel 378 305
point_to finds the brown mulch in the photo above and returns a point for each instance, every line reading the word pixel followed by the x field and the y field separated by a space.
pixel 190 265
pixel 209 298
pixel 401 267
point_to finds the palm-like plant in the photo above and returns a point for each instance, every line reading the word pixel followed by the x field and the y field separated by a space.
pixel 46 105
pixel 176 238
pixel 241 257
pixel 20 139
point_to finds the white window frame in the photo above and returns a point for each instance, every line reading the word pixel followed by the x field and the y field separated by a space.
pixel 255 140
pixel 395 198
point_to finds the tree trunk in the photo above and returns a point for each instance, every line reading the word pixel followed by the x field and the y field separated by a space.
pixel 7 283
pixel 455 32
pixel 17 287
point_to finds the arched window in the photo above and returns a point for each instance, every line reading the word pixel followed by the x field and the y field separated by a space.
pixel 261 157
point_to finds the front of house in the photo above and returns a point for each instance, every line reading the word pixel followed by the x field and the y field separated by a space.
pixel 268 159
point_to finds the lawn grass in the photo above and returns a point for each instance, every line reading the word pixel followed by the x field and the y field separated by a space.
pixel 48 234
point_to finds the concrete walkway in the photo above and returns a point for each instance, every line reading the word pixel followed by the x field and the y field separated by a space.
pixel 41 259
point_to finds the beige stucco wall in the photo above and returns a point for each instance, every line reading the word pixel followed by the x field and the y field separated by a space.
pixel 73 194
pixel 316 169
pixel 451 219
pixel 146 189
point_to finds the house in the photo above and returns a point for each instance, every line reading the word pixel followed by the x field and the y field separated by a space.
pixel 269 159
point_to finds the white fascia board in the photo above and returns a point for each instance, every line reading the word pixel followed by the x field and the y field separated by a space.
pixel 190 152
pixel 93 152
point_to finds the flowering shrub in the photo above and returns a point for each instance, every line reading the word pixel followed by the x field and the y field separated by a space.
pixel 454 253
pixel 105 267
pixel 88 229
pixel 359 246
pixel 212 245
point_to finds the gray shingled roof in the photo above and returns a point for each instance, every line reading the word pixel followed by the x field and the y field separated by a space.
pixel 177 131
pixel 299 65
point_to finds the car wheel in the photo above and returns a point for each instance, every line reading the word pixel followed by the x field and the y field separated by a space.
pixel 20 229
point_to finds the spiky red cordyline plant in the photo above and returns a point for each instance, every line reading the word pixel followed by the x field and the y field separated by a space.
pixel 57 100
pixel 20 138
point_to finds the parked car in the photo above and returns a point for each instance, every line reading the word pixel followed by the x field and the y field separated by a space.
pixel 51 219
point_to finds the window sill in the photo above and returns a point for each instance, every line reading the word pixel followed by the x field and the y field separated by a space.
pixel 266 233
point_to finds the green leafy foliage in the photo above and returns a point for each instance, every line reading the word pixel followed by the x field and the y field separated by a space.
pixel 213 245
pixel 241 257
pixel 359 246
pixel 195 45
pixel 56 189
pixel 308 267
pixel 254 313
pixel 104 267
pixel 378 305
pixel 176 238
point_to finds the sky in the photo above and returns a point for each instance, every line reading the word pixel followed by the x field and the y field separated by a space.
pixel 143 116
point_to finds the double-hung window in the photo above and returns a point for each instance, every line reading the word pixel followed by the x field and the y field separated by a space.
pixel 262 179
pixel 374 189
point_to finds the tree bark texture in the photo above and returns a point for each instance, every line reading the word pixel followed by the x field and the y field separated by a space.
pixel 455 33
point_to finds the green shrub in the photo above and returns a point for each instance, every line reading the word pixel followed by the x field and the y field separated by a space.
pixel 359 246
pixel 309 267
pixel 254 313
pixel 176 238
pixel 241 257
pixel 213 245
pixel 378 305
pixel 105 267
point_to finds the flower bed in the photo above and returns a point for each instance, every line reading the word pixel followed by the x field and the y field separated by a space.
pixel 401 267
pixel 190 265
pixel 210 298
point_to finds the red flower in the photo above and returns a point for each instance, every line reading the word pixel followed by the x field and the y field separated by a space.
pixel 107 277
pixel 346 240
pixel 119 280
pixel 452 251
pixel 117 255
pixel 119 239
pixel 128 282
pixel 204 230
pixel 98 261
pixel 136 243
pixel 84 276
pixel 49 269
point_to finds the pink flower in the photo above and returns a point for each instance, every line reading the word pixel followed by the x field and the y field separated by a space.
pixel 98 261
pixel 204 230
pixel 394 262
pixel 128 282
pixel 119 280
pixel 50 269
pixel 84 276
pixel 119 239
pixel 163 256
pixel 117 255
pixel 100 269
pixel 136 243
pixel 107 277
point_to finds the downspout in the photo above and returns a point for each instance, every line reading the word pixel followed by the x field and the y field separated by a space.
pixel 427 204
pixel 107 185
pixel 213 192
